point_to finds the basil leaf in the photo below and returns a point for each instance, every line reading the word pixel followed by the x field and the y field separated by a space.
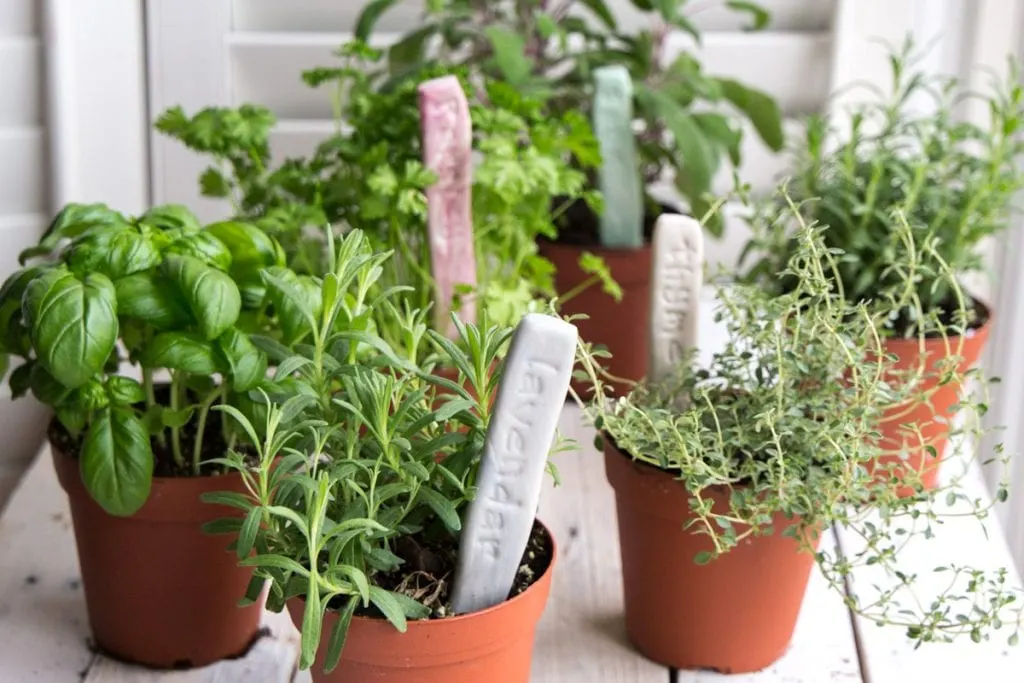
pixel 73 323
pixel 175 217
pixel 185 351
pixel 204 247
pixel 115 251
pixel 21 379
pixel 14 337
pixel 45 387
pixel 92 396
pixel 211 295
pixel 153 299
pixel 297 301
pixel 250 247
pixel 248 365
pixel 125 391
pixel 75 219
pixel 117 462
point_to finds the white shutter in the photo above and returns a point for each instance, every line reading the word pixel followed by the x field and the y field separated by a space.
pixel 23 200
pixel 23 186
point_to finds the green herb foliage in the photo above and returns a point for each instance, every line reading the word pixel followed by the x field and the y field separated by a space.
pixel 156 291
pixel 954 182
pixel 370 176
pixel 688 121
pixel 355 455
pixel 778 434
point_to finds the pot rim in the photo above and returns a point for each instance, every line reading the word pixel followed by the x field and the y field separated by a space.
pixel 462 618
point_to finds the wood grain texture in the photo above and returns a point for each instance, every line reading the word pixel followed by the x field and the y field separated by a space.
pixel 890 657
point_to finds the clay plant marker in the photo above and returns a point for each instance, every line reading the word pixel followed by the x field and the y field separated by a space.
pixel 522 430
pixel 623 219
pixel 447 151
pixel 676 278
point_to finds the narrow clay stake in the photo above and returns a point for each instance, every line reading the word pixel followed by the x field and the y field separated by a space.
pixel 678 254
pixel 522 429
pixel 623 218
pixel 447 151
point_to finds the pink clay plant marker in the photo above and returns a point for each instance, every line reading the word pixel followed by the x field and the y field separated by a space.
pixel 447 151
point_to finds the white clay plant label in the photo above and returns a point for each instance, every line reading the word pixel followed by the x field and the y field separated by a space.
pixel 622 222
pixel 447 151
pixel 520 436
pixel 678 262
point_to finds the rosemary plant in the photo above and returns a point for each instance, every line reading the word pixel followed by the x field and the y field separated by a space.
pixel 783 421
pixel 366 461
pixel 908 153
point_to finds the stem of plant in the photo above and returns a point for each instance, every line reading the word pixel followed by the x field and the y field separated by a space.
pixel 179 459
pixel 204 410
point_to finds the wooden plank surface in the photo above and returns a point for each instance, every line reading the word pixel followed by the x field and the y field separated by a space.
pixel 887 655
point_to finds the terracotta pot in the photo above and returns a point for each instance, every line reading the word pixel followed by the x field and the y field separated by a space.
pixel 621 326
pixel 158 590
pixel 735 614
pixel 929 416
pixel 494 645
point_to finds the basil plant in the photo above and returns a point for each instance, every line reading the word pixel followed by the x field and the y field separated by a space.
pixel 123 325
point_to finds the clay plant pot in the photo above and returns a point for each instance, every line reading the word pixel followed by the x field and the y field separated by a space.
pixel 735 614
pixel 621 327
pixel 160 592
pixel 931 416
pixel 494 645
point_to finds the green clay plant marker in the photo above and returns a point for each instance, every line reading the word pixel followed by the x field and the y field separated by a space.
pixel 623 218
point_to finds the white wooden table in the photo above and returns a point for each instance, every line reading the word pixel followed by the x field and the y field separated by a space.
pixel 581 639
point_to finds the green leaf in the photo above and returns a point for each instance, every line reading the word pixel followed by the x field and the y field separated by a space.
pixel 601 10
pixel 247 534
pixel 275 562
pixel 113 252
pixel 248 365
pixel 703 557
pixel 73 324
pixel 125 391
pixel 212 183
pixel 20 381
pixel 408 52
pixel 296 300
pixel 211 295
pixel 413 609
pixel 74 219
pixel 152 299
pixel 202 246
pixel 117 462
pixel 176 419
pixel 369 17
pixel 389 607
pixel 184 351
pixel 443 508
pixel 758 14
pixel 339 634
pixel 510 54
pixel 250 247
pixel 312 625
pixel 176 217
pixel 14 335
pixel 760 108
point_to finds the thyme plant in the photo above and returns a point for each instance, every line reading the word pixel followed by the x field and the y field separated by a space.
pixel 364 468
pixel 783 422
pixel 688 121
pixel 953 180
pixel 151 294
pixel 370 176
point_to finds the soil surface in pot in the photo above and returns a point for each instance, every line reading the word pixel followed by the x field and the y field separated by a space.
pixel 428 569
pixel 580 226
pixel 214 445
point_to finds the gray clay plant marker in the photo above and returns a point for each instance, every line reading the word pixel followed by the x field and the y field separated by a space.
pixel 522 430
pixel 623 218
pixel 447 151
pixel 678 255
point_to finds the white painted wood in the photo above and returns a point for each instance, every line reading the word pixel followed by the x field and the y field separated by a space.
pixel 266 67
pixel 187 67
pixel 20 81
pixel 330 15
pixel 18 18
pixel 22 177
pixel 888 656
pixel 274 659
pixel 96 102
pixel 582 635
